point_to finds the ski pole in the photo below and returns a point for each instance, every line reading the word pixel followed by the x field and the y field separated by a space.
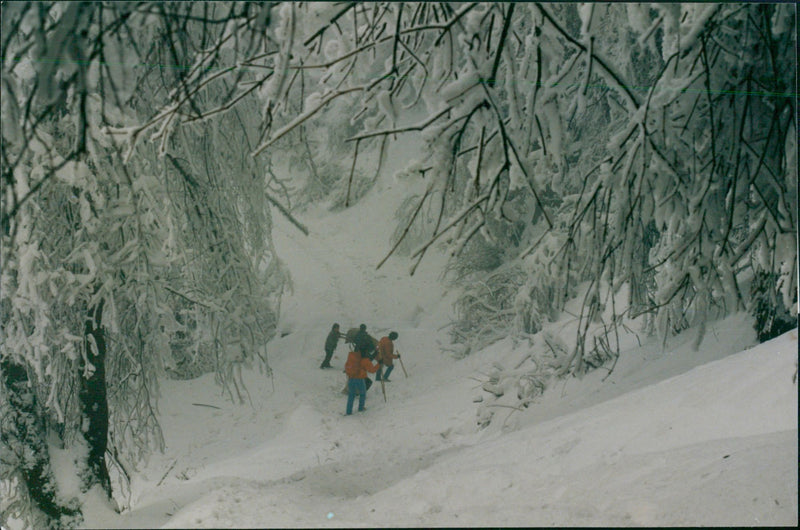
pixel 383 389
pixel 399 358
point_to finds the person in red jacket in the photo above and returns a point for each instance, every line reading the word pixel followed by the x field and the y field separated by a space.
pixel 356 368
pixel 385 356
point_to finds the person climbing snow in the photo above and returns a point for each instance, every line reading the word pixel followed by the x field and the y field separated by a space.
pixel 364 340
pixel 385 356
pixel 330 345
pixel 356 368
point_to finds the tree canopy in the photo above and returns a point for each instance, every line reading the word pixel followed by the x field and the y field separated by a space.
pixel 567 149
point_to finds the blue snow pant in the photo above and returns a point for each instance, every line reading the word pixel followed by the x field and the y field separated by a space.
pixel 385 376
pixel 356 386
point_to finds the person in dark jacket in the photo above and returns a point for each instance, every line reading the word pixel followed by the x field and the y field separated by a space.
pixel 330 345
pixel 364 342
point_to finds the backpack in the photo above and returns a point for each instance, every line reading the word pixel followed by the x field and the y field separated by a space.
pixel 353 364
pixel 364 342
pixel 350 336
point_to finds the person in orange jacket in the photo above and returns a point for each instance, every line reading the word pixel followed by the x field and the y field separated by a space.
pixel 385 356
pixel 356 368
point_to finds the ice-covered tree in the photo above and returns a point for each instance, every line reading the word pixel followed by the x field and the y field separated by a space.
pixel 568 150
pixel 117 270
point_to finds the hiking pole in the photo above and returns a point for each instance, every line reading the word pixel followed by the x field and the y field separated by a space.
pixel 399 358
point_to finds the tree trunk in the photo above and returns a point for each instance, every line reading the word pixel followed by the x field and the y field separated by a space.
pixel 94 400
pixel 23 434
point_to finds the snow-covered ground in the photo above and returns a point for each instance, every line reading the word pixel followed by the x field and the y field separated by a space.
pixel 671 437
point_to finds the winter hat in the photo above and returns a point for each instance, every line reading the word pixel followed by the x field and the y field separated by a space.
pixel 393 335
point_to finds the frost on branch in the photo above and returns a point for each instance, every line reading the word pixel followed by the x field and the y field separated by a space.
pixel 613 161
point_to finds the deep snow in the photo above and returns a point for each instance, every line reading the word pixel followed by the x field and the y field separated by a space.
pixel 671 437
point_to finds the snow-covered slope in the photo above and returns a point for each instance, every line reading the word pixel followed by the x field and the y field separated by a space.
pixel 716 445
pixel 675 437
